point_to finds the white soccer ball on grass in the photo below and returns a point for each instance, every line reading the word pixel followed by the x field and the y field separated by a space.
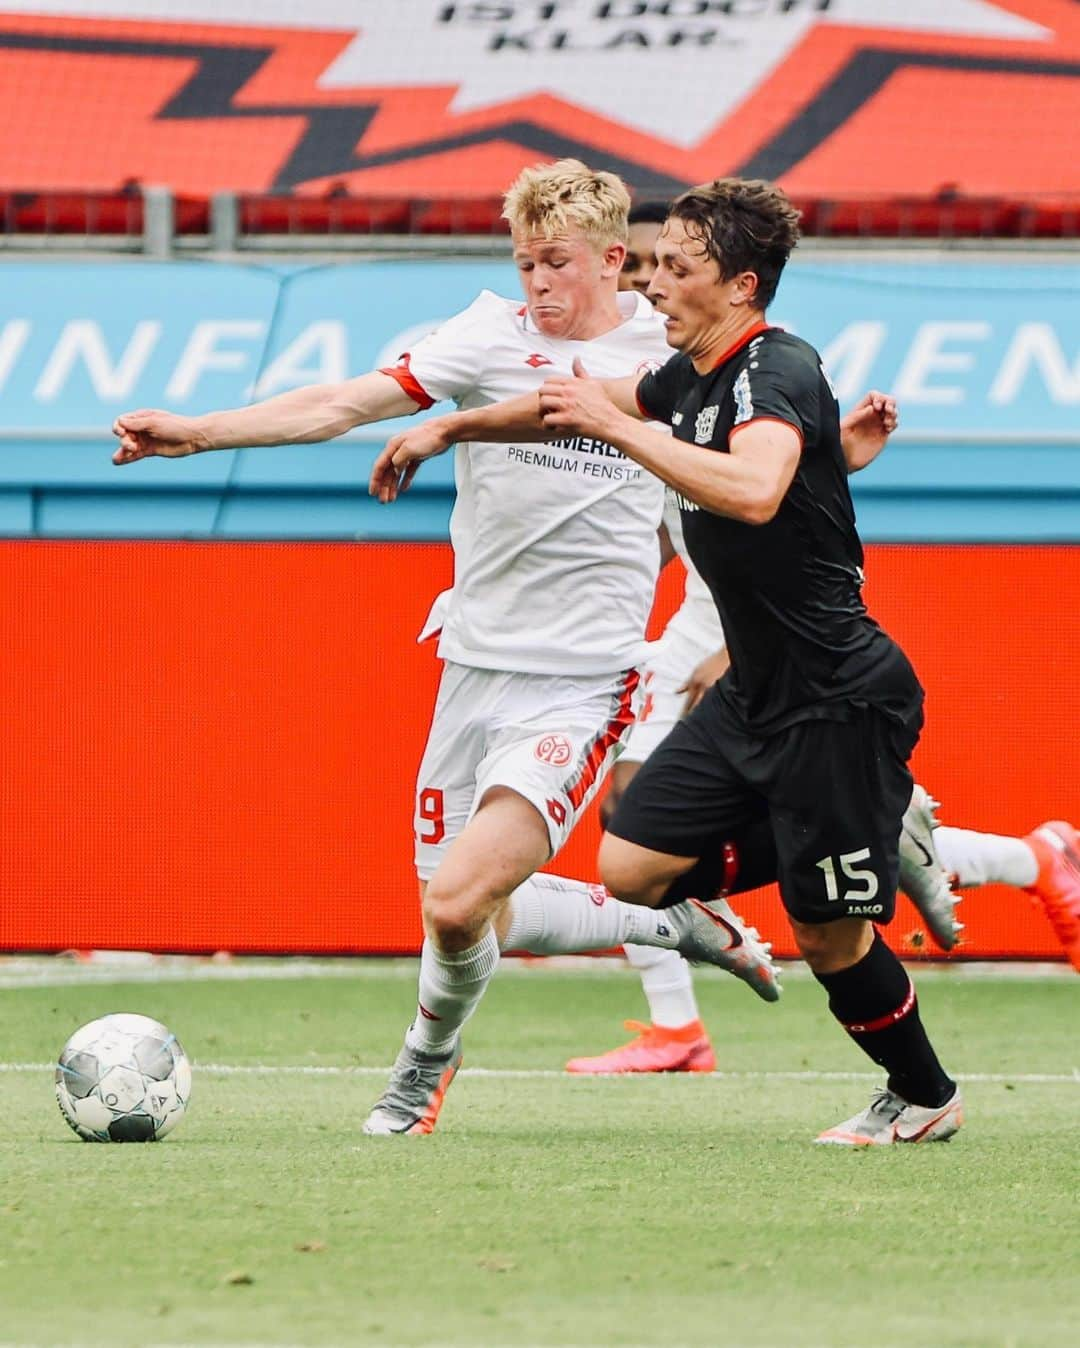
pixel 123 1078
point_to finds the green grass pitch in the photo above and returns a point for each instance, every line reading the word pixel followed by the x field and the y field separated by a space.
pixel 545 1210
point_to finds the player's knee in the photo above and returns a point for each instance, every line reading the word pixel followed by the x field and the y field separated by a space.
pixel 454 920
pixel 828 947
pixel 622 873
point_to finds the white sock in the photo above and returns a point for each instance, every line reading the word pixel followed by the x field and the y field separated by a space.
pixel 667 984
pixel 550 915
pixel 451 986
pixel 985 858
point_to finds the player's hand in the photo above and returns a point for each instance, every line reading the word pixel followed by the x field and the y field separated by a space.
pixel 577 404
pixel 705 674
pixel 397 464
pixel 865 429
pixel 148 431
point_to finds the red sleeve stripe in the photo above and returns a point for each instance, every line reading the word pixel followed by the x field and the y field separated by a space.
pixel 409 382
pixel 781 421
pixel 641 406
pixel 598 750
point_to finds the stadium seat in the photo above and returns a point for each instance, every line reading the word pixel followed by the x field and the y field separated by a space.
pixel 323 215
pixel 458 216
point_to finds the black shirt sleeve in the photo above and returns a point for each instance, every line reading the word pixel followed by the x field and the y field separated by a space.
pixel 778 383
pixel 658 390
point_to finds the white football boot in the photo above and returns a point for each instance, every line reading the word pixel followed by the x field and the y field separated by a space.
pixel 890 1118
pixel 922 876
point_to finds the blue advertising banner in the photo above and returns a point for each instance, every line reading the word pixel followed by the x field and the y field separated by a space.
pixel 983 358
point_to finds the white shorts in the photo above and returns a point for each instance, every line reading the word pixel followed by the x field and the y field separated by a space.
pixel 552 739
pixel 669 663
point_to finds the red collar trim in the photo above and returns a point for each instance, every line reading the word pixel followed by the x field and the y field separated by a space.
pixel 748 336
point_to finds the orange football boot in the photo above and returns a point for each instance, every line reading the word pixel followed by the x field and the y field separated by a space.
pixel 1057 886
pixel 656 1048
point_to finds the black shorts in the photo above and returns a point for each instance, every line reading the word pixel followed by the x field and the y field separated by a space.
pixel 830 792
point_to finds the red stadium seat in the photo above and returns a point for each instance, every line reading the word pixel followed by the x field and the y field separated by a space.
pixel 323 215
pixel 192 215
pixel 467 216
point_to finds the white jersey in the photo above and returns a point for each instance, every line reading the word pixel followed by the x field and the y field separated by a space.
pixel 555 548
pixel 695 627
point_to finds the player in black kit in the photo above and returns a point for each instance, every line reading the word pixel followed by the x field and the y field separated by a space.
pixel 794 766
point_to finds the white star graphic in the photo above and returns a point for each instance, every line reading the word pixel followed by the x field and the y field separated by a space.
pixel 672 70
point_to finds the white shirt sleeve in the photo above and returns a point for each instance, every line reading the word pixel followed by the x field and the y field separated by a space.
pixel 449 362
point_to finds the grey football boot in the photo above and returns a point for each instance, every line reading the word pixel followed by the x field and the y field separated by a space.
pixel 922 876
pixel 710 933
pixel 415 1092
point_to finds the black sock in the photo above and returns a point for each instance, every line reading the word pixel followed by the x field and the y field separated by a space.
pixel 875 1002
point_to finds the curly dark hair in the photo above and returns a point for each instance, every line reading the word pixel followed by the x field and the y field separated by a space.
pixel 744 224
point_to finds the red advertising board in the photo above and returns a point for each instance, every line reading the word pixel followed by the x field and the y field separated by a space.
pixel 212 745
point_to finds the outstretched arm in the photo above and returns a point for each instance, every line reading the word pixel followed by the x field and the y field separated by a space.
pixel 302 416
pixel 512 421
pixel 748 484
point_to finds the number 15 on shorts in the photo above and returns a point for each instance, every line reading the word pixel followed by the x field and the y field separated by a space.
pixel 839 870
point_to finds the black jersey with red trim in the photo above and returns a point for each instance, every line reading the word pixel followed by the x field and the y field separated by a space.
pixel 789 592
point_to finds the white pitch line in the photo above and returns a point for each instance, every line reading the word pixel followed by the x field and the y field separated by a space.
pixel 20 974
pixel 549 1074
pixel 120 968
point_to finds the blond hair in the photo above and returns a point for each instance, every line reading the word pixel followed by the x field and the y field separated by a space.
pixel 550 199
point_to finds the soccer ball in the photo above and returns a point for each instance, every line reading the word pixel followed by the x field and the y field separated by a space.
pixel 123 1078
